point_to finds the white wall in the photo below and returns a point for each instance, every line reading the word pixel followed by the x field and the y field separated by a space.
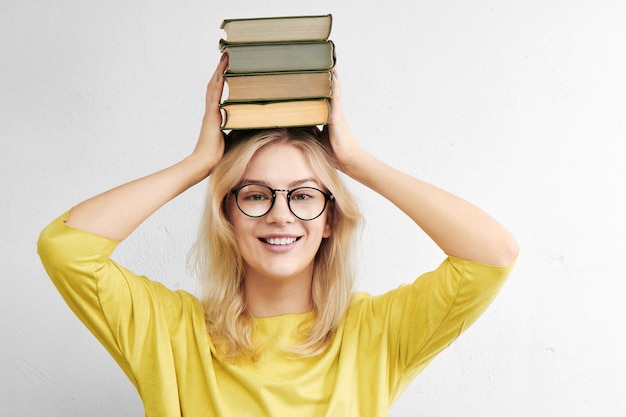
pixel 518 106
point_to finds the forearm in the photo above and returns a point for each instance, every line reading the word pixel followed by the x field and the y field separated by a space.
pixel 117 212
pixel 459 228
pixel 114 214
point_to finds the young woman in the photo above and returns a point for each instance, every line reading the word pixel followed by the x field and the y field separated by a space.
pixel 277 330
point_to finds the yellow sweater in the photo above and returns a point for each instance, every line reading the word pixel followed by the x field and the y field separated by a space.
pixel 159 339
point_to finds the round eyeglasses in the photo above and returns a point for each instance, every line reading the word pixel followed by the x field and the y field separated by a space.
pixel 256 200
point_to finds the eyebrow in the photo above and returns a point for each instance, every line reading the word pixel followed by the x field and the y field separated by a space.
pixel 292 184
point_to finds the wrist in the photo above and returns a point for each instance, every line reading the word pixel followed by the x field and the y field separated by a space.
pixel 358 164
pixel 199 165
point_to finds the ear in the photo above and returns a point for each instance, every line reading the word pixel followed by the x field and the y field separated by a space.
pixel 328 227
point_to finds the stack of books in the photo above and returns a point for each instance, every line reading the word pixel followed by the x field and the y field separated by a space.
pixel 279 72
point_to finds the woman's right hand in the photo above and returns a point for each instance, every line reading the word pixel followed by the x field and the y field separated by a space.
pixel 210 146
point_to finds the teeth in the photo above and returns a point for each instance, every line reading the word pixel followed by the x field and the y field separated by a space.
pixel 280 241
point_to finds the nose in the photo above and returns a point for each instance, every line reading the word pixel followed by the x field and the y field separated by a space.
pixel 280 211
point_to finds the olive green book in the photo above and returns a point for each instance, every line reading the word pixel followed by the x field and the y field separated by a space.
pixel 280 57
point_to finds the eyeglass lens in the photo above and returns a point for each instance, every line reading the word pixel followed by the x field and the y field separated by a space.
pixel 256 200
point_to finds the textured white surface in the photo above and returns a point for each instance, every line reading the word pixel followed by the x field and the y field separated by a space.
pixel 516 106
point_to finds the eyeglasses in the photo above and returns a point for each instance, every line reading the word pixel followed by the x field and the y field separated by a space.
pixel 306 203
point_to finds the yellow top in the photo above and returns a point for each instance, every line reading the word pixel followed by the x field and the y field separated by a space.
pixel 159 339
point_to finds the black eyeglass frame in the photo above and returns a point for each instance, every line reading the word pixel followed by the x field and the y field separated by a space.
pixel 327 197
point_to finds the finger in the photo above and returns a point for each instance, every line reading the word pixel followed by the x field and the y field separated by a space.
pixel 335 100
pixel 215 87
pixel 218 75
pixel 222 65
pixel 336 84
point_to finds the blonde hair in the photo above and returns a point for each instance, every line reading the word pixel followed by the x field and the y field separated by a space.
pixel 219 265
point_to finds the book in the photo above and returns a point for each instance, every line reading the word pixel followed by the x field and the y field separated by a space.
pixel 262 115
pixel 280 57
pixel 277 29
pixel 278 86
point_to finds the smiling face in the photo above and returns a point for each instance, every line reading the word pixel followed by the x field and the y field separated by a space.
pixel 278 247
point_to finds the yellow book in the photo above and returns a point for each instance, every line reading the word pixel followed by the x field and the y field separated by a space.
pixel 275 114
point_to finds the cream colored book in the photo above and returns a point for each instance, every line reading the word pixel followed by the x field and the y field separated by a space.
pixel 277 29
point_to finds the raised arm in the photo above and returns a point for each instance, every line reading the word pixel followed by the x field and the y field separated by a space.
pixel 459 228
pixel 114 214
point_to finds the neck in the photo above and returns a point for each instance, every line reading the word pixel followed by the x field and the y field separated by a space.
pixel 267 297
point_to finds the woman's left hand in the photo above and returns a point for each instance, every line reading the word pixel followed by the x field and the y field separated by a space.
pixel 459 228
pixel 337 138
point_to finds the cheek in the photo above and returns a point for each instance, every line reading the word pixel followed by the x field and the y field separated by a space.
pixel 241 227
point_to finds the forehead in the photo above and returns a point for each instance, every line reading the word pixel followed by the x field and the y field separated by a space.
pixel 279 165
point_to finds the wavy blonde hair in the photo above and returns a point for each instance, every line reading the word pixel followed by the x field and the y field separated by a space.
pixel 219 265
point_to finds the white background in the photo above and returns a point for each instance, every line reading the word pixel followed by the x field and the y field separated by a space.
pixel 518 106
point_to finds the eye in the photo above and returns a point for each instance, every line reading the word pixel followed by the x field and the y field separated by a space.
pixel 255 197
pixel 255 193
pixel 302 194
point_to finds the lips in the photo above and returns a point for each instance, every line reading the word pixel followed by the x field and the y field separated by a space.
pixel 280 241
